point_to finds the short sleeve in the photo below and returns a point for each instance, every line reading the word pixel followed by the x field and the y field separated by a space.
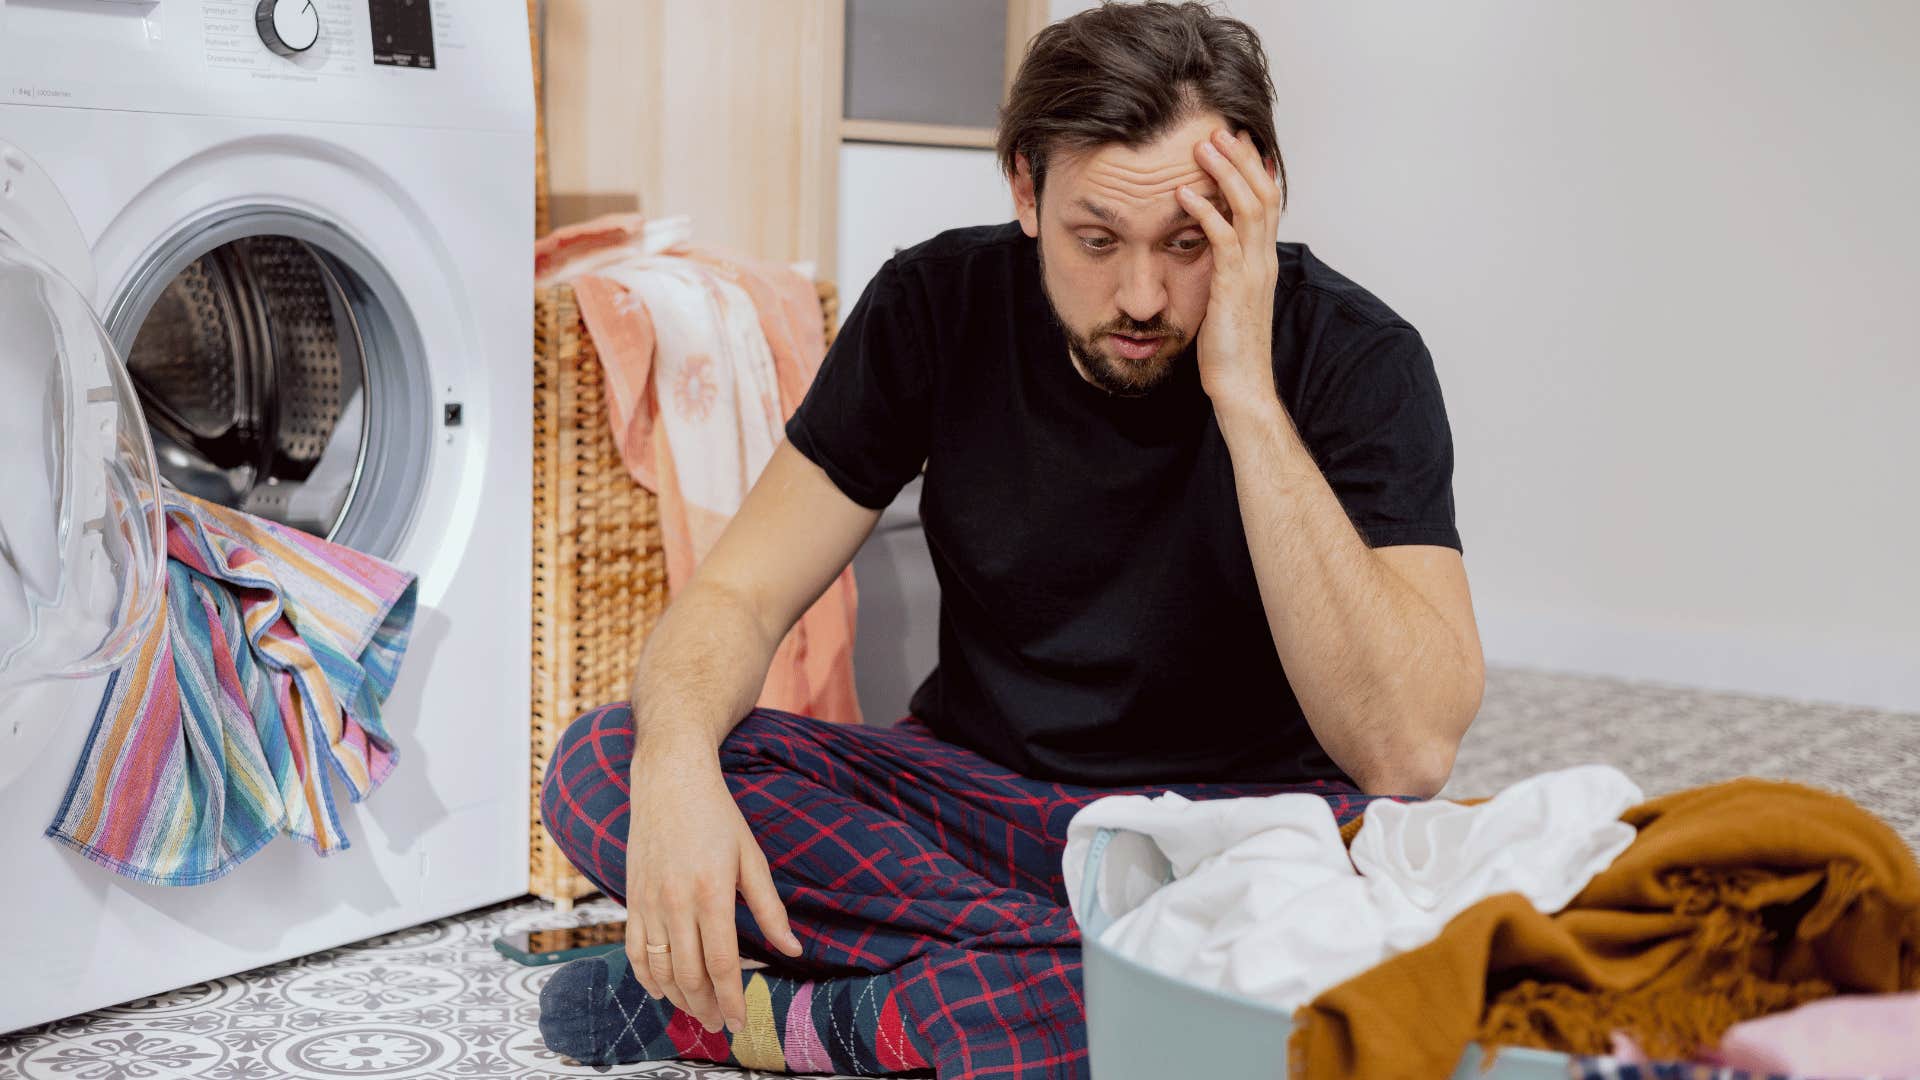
pixel 1377 426
pixel 865 419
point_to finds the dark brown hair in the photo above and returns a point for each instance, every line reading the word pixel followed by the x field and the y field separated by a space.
pixel 1128 73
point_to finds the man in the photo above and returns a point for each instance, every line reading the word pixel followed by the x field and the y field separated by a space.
pixel 1188 498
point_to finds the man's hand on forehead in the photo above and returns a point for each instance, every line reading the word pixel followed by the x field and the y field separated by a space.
pixel 1236 338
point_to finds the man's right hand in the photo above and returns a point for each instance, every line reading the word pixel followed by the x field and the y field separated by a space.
pixel 689 851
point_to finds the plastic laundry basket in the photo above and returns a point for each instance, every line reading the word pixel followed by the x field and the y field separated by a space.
pixel 1142 1025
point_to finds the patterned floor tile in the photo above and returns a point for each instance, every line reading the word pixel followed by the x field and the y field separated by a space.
pixel 433 1002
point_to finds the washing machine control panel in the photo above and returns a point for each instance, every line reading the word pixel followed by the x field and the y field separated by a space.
pixel 411 63
pixel 288 27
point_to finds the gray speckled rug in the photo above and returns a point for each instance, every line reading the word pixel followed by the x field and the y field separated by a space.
pixel 437 1001
pixel 1667 738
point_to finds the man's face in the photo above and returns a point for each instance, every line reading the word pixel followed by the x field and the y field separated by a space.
pixel 1126 270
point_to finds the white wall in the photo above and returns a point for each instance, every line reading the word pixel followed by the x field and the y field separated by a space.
pixel 893 197
pixel 1665 256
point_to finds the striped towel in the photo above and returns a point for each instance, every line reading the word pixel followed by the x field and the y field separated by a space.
pixel 264 674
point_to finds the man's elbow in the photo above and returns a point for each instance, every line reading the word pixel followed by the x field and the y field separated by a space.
pixel 1423 766
pixel 1419 772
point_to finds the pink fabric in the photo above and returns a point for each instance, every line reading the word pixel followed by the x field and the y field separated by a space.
pixel 569 244
pixel 800 1044
pixel 706 354
pixel 1850 1036
pixel 1860 1035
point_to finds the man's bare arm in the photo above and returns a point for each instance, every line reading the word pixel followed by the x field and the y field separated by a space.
pixel 689 850
pixel 1379 645
pixel 707 658
pixel 1380 648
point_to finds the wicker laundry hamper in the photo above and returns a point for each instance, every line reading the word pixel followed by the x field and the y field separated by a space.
pixel 599 573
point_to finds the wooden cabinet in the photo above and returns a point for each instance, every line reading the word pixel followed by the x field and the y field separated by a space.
pixel 725 110
pixel 741 112
pixel 931 72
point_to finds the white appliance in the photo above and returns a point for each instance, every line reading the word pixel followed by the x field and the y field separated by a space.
pixel 307 226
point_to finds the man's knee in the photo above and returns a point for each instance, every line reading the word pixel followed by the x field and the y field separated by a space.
pixel 771 733
pixel 593 758
pixel 596 743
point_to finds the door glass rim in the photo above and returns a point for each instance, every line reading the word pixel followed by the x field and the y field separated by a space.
pixel 395 442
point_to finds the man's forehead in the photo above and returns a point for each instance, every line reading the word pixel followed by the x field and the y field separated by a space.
pixel 1122 185
pixel 1124 205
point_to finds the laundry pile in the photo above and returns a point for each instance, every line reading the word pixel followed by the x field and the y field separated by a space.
pixel 706 354
pixel 264 674
pixel 1264 899
pixel 1565 914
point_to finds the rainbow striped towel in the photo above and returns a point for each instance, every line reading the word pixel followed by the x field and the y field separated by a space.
pixel 264 673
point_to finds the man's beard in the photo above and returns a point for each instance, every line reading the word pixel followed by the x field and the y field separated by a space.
pixel 1118 375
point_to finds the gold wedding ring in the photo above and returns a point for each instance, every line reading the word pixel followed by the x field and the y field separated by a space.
pixel 656 950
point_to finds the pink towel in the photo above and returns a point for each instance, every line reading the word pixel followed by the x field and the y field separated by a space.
pixel 1856 1035
pixel 706 355
pixel 1850 1036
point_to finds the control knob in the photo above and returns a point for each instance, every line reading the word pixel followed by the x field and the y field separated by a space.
pixel 288 27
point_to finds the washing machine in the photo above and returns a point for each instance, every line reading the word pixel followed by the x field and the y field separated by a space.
pixel 304 228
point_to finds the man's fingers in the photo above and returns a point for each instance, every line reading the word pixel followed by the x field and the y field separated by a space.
pixel 1221 238
pixel 1249 211
pixel 721 947
pixel 659 964
pixel 690 969
pixel 1254 168
pixel 637 950
pixel 756 886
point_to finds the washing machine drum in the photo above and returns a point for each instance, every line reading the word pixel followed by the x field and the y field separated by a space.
pixel 82 544
pixel 250 370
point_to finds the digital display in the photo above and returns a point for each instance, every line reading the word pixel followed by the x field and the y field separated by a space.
pixel 402 33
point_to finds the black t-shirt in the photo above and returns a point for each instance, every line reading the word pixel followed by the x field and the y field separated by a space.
pixel 1099 618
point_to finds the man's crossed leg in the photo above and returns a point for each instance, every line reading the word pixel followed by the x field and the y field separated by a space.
pixel 923 881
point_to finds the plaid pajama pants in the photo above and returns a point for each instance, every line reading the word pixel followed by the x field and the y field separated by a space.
pixel 893 851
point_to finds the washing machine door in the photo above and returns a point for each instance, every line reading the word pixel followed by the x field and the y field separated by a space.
pixel 82 540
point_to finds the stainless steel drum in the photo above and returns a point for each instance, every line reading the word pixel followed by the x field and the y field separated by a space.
pixel 279 366
pixel 250 368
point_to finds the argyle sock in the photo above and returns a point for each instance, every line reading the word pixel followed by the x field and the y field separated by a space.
pixel 594 1011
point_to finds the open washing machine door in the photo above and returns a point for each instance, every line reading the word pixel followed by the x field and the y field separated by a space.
pixel 256 356
pixel 82 535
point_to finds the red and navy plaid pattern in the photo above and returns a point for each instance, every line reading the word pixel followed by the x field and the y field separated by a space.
pixel 894 851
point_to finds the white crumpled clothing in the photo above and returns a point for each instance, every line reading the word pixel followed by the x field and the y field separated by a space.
pixel 1264 900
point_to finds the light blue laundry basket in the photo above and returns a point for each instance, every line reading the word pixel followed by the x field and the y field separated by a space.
pixel 1142 1025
